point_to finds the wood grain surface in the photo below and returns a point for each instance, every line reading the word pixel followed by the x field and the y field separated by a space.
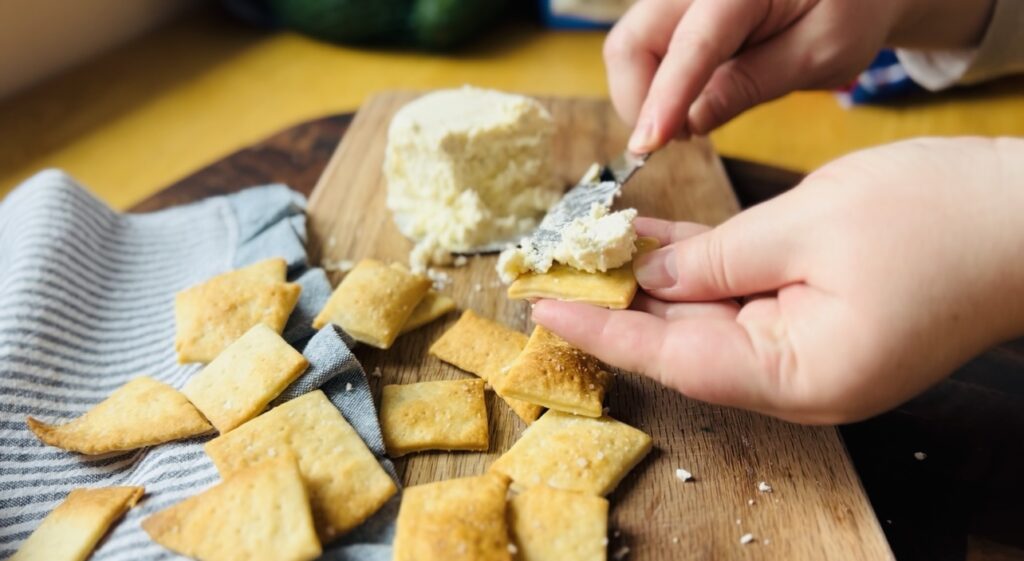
pixel 817 510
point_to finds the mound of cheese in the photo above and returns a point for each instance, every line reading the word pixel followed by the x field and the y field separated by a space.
pixel 466 168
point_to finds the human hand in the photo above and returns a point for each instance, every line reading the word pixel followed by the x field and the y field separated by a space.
pixel 677 67
pixel 874 278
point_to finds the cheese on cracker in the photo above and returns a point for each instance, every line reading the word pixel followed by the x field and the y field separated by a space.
pixel 245 378
pixel 454 520
pixel 258 514
pixel 553 525
pixel 374 302
pixel 212 315
pixel 73 529
pixel 141 413
pixel 485 348
pixel 467 167
pixel 613 289
pixel 574 453
pixel 444 415
pixel 552 373
pixel 346 483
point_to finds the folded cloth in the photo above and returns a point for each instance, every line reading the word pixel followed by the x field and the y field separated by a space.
pixel 87 304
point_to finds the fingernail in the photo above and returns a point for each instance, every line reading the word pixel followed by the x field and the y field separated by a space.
pixel 656 269
pixel 643 137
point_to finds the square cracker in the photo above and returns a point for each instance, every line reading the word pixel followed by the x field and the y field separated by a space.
pixel 212 315
pixel 575 453
pixel 245 378
pixel 346 484
pixel 373 302
pixel 445 415
pixel 258 514
pixel 552 373
pixel 454 520
pixel 141 413
pixel 553 525
pixel 73 529
pixel 485 348
pixel 613 289
pixel 433 306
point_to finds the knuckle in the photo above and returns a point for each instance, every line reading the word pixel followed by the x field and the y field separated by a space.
pixel 714 262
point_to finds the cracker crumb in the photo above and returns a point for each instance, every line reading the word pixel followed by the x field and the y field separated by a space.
pixel 750 502
pixel 478 287
pixel 920 456
pixel 621 553
pixel 683 475
pixel 746 538
pixel 348 386
pixel 675 539
pixel 766 542
pixel 764 487
pixel 737 521
pixel 460 261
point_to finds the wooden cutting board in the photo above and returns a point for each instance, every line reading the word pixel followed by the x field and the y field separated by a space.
pixel 818 509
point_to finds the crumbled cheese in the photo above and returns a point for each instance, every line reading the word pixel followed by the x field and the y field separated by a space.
pixel 764 487
pixel 621 553
pixel 348 386
pixel 920 456
pixel 597 242
pixel 460 261
pixel 341 266
pixel 440 279
pixel 746 538
pixel 683 475
pixel 750 502
pixel 675 539
pixel 467 167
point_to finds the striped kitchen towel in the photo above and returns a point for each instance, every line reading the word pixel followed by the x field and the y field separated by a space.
pixel 86 304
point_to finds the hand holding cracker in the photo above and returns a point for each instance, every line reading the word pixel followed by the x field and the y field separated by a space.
pixel 854 298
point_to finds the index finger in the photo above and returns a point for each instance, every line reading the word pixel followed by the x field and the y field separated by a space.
pixel 709 33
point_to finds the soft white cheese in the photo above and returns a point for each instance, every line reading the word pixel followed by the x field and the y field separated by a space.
pixel 468 167
pixel 597 242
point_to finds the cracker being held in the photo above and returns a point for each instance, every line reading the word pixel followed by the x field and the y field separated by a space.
pixel 574 453
pixel 346 484
pixel 212 315
pixel 485 348
pixel 445 415
pixel 612 289
pixel 141 413
pixel 553 525
pixel 73 529
pixel 373 302
pixel 259 514
pixel 454 520
pixel 552 373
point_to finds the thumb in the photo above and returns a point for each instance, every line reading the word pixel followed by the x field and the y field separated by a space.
pixel 749 254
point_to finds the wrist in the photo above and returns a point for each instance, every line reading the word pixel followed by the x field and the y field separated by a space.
pixel 941 24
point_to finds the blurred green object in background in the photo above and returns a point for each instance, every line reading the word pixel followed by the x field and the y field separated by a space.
pixel 430 24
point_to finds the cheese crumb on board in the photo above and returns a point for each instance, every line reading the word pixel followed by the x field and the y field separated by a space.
pixel 746 538
pixel 764 487
pixel 920 456
pixel 594 243
pixel 468 167
pixel 683 475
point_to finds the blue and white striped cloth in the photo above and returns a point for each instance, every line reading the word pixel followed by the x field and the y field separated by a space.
pixel 86 304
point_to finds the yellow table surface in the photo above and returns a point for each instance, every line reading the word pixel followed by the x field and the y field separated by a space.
pixel 151 112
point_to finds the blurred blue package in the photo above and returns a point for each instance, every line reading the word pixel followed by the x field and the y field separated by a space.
pixel 884 80
pixel 582 14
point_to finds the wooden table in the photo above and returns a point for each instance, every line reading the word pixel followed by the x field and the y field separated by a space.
pixel 965 501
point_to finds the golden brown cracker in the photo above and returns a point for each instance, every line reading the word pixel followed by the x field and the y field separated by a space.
pixel 346 483
pixel 612 289
pixel 258 514
pixel 73 529
pixel 444 415
pixel 574 453
pixel 212 315
pixel 373 302
pixel 245 378
pixel 141 413
pixel 485 348
pixel 552 373
pixel 433 306
pixel 454 520
pixel 554 525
